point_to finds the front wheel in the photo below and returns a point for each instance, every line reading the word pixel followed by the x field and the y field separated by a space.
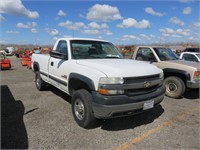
pixel 82 109
pixel 175 87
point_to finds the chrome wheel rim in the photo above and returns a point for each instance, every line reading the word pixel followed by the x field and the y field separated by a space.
pixel 172 87
pixel 79 109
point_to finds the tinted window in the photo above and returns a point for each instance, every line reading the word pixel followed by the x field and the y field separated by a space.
pixel 165 54
pixel 189 57
pixel 86 49
pixel 62 47
pixel 145 54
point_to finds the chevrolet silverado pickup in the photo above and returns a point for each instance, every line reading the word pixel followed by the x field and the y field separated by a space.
pixel 101 83
pixel 178 74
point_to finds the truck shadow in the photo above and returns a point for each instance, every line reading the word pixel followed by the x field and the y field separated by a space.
pixel 131 122
pixel 59 93
pixel 13 131
pixel 191 94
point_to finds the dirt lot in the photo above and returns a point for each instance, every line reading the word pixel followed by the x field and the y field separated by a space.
pixel 43 120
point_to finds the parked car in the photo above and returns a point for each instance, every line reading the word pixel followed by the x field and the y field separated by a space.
pixel 178 74
pixel 197 50
pixel 5 62
pixel 9 51
pixel 190 56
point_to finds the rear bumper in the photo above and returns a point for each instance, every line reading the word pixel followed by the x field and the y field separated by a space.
pixel 193 84
pixel 122 105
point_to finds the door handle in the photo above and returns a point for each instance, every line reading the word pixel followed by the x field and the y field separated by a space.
pixel 52 63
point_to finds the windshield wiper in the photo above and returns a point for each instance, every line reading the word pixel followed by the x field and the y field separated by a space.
pixel 92 56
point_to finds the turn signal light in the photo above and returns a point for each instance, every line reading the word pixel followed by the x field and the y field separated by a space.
pixel 103 91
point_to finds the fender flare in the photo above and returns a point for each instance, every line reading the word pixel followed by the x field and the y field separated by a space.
pixel 84 79
pixel 182 72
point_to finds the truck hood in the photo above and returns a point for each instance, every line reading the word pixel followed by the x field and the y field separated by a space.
pixel 120 67
pixel 185 63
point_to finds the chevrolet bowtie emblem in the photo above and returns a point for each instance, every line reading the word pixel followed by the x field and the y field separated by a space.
pixel 147 84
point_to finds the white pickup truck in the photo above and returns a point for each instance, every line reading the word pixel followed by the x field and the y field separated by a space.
pixel 101 83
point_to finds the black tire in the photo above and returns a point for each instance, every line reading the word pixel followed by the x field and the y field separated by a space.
pixel 40 84
pixel 82 109
pixel 175 87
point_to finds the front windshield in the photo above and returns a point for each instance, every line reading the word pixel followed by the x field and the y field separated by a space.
pixel 86 49
pixel 165 54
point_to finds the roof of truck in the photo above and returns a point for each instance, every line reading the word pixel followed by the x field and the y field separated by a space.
pixel 150 46
pixel 68 39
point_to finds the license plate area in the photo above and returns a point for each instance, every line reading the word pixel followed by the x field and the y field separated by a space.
pixel 148 104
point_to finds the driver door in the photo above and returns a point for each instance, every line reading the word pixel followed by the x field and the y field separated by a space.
pixel 57 67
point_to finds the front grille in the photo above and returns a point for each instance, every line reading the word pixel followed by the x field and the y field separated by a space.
pixel 142 80
pixel 142 91
pixel 131 80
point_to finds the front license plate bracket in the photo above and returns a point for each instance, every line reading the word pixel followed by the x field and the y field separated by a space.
pixel 148 104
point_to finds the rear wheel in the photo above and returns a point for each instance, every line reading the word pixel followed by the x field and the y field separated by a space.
pixel 40 84
pixel 175 87
pixel 82 109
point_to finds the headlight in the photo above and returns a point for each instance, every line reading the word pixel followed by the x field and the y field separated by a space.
pixel 110 81
pixel 197 75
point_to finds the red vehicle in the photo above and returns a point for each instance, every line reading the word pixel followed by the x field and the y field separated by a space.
pixel 26 59
pixel 5 62
pixel 29 65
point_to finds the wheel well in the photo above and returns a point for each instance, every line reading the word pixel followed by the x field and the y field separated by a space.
pixel 76 84
pixel 181 76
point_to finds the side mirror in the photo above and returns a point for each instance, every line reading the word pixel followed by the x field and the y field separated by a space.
pixel 56 54
pixel 152 59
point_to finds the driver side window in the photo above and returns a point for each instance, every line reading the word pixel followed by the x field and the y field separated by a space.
pixel 145 54
pixel 62 47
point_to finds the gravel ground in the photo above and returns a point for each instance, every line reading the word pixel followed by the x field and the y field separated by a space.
pixel 43 120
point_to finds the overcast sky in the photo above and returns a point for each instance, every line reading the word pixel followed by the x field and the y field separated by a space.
pixel 120 22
